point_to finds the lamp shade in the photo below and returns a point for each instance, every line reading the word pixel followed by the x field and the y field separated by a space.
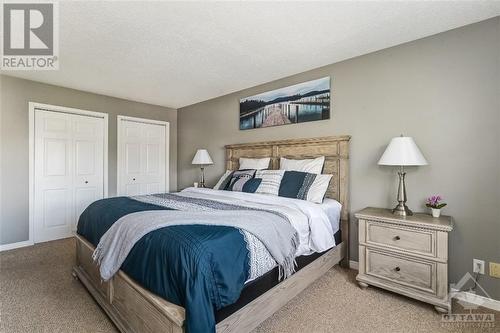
pixel 402 151
pixel 202 157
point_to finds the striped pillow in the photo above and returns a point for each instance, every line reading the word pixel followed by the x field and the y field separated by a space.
pixel 238 179
pixel 271 180
pixel 305 186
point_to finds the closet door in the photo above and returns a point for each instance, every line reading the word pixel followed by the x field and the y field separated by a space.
pixel 142 161
pixel 153 152
pixel 53 213
pixel 69 163
pixel 88 147
pixel 129 164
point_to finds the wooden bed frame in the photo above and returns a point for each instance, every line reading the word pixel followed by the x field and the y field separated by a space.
pixel 134 309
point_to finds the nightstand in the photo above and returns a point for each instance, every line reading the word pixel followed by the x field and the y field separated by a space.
pixel 407 255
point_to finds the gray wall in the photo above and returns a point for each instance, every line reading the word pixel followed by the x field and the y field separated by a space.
pixel 15 94
pixel 442 90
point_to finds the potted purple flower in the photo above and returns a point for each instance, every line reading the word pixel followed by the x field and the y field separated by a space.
pixel 435 204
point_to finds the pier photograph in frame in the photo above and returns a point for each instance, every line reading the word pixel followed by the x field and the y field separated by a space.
pixel 300 103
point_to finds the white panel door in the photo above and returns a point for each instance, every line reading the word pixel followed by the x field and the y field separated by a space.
pixel 153 177
pixel 142 158
pixel 88 147
pixel 53 177
pixel 68 171
pixel 129 163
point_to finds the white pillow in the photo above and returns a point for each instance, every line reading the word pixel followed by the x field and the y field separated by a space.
pixel 313 165
pixel 226 177
pixel 271 181
pixel 318 188
pixel 254 163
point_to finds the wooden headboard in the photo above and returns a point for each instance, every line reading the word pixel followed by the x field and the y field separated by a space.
pixel 334 148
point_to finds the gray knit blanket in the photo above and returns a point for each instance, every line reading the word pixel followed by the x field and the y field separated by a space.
pixel 270 227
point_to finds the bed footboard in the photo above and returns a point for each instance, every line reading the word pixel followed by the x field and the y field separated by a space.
pixel 131 307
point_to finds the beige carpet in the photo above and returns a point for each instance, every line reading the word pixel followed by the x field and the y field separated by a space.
pixel 38 294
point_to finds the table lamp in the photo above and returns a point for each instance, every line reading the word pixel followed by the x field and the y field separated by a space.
pixel 402 151
pixel 202 158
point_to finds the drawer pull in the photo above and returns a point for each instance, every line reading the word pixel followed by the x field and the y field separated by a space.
pixel 397 269
pixel 397 238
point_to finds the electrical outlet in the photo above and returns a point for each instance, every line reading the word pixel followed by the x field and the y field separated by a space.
pixel 478 266
pixel 495 269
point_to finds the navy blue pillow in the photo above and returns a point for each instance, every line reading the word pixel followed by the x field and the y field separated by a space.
pixel 296 184
pixel 252 185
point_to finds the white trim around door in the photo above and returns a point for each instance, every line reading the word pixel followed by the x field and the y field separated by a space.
pixel 119 122
pixel 54 108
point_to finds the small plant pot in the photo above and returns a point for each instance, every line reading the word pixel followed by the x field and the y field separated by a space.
pixel 436 212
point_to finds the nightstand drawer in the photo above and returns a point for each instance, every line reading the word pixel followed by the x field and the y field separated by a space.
pixel 406 271
pixel 403 238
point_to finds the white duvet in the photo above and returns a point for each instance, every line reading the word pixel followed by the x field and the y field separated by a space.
pixel 315 223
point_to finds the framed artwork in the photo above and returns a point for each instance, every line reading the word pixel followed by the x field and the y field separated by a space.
pixel 300 103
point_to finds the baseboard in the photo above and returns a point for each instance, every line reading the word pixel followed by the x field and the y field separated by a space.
pixel 12 246
pixel 353 264
pixel 483 301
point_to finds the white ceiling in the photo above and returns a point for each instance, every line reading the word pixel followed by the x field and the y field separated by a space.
pixel 179 53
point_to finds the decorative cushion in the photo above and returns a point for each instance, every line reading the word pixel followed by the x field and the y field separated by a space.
pixel 238 179
pixel 252 185
pixel 296 184
pixel 313 165
pixel 305 186
pixel 224 180
pixel 271 180
pixel 254 163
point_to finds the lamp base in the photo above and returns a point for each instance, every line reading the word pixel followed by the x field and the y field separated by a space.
pixel 202 179
pixel 402 210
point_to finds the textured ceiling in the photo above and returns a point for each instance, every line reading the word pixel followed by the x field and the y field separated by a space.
pixel 179 53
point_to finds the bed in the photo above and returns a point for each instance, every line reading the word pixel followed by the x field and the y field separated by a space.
pixel 133 308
